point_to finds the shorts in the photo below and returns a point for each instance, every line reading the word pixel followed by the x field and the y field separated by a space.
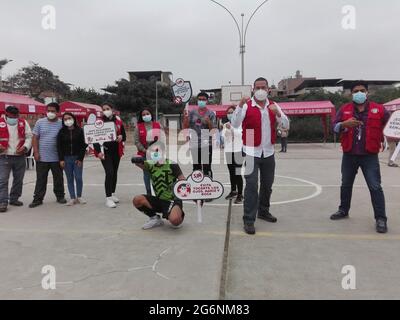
pixel 163 206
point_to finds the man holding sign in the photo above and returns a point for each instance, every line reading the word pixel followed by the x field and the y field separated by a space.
pixel 361 125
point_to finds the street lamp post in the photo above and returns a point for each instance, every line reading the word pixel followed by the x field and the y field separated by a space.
pixel 242 32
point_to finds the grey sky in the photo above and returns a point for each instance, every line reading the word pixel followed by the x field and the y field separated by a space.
pixel 97 41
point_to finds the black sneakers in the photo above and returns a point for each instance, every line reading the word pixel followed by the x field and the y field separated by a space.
pixel 381 226
pixel 232 195
pixel 3 208
pixel 266 216
pixel 249 228
pixel 339 215
pixel 35 204
pixel 239 199
pixel 62 200
pixel 16 203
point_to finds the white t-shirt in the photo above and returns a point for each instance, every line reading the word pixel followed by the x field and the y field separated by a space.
pixel 233 140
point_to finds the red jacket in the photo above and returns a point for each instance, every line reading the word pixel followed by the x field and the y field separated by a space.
pixel 121 145
pixel 5 135
pixel 253 123
pixel 374 128
pixel 143 134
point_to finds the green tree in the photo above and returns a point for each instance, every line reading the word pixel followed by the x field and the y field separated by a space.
pixel 35 80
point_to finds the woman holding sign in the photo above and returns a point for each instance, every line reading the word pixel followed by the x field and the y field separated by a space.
pixel 112 154
pixel 71 148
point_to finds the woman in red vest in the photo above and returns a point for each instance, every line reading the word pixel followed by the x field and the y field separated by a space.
pixel 113 152
pixel 360 125
pixel 146 132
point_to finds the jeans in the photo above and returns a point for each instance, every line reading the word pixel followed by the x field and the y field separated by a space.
pixel 74 174
pixel 202 160
pixel 16 165
pixel 42 174
pixel 258 200
pixel 370 167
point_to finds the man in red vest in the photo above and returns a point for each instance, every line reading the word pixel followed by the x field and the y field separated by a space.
pixel 15 141
pixel 361 125
pixel 259 118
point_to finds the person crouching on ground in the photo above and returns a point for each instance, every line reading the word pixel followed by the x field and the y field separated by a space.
pixel 164 174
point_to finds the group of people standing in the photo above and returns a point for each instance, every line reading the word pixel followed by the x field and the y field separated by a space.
pixel 250 136
pixel 58 145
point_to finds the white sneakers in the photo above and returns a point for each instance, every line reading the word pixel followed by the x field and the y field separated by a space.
pixel 110 203
pixel 73 202
pixel 82 201
pixel 154 222
pixel 114 198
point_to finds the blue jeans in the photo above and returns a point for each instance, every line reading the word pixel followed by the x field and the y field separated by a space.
pixel 370 168
pixel 74 174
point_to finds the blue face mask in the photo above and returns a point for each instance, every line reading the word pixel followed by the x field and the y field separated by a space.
pixel 156 156
pixel 230 117
pixel 202 104
pixel 360 97
pixel 147 118
pixel 12 121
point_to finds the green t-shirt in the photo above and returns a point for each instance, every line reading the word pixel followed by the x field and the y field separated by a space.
pixel 163 178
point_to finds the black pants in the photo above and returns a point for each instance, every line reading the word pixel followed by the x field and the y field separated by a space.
pixel 202 160
pixel 42 174
pixel 284 144
pixel 235 163
pixel 111 165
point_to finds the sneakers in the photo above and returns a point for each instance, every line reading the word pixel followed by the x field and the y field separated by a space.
pixel 62 201
pixel 249 228
pixel 3 207
pixel 110 203
pixel 16 203
pixel 239 199
pixel 72 202
pixel 35 204
pixel 267 217
pixel 340 215
pixel 393 165
pixel 232 195
pixel 154 222
pixel 114 198
pixel 381 226
pixel 82 201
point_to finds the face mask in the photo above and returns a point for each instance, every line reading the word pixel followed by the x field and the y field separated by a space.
pixel 51 115
pixel 156 156
pixel 147 118
pixel 230 117
pixel 202 104
pixel 108 113
pixel 12 121
pixel 261 95
pixel 360 97
pixel 69 123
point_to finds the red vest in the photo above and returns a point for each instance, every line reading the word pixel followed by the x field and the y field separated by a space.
pixel 253 124
pixel 374 128
pixel 143 134
pixel 121 146
pixel 5 135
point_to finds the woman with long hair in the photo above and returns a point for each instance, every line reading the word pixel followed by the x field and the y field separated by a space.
pixel 112 154
pixel 71 148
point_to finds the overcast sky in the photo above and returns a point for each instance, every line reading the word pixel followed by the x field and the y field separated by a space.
pixel 97 41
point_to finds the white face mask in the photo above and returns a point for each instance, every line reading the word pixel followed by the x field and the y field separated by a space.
pixel 51 115
pixel 261 95
pixel 69 123
pixel 108 113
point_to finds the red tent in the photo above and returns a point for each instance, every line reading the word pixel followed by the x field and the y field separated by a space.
pixel 393 105
pixel 25 104
pixel 322 109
